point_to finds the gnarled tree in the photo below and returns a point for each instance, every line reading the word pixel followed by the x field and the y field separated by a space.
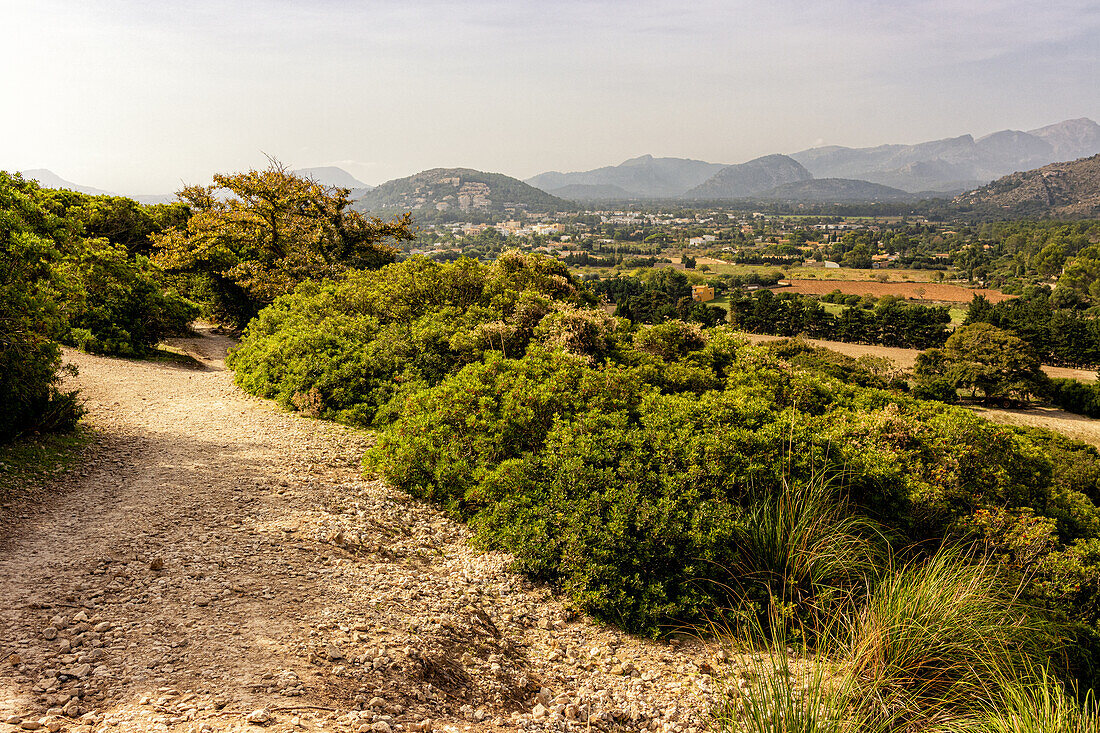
pixel 256 235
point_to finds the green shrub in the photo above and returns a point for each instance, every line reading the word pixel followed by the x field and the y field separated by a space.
pixel 652 499
pixel 1072 395
pixel 345 348
pixel 115 303
pixel 30 360
pixel 940 389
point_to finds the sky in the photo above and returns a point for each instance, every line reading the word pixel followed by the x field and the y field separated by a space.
pixel 145 96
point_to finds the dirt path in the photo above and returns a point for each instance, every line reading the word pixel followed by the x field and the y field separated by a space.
pixel 213 558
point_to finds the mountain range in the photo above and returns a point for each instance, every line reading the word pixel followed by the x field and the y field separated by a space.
pixel 943 166
pixel 748 179
pixel 645 176
pixel 894 173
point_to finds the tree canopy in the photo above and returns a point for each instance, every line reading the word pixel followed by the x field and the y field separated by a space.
pixel 256 235
pixel 983 358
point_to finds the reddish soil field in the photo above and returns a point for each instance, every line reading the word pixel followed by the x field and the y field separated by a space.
pixel 935 292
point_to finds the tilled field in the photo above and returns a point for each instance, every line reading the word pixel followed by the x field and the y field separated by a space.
pixel 920 291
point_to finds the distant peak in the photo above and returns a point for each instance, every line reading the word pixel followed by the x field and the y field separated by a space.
pixel 331 175
pixel 640 160
pixel 48 179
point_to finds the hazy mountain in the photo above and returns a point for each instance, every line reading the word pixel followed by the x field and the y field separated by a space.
pixel 1071 139
pixel 155 198
pixel 828 190
pixel 1067 190
pixel 330 175
pixel 643 177
pixel 954 163
pixel 745 180
pixel 592 192
pixel 49 179
pixel 458 190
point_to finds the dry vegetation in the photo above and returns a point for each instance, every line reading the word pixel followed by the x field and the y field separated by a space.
pixel 820 273
pixel 1078 427
pixel 907 358
pixel 935 292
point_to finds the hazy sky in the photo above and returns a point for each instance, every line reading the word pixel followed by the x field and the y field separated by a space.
pixel 140 96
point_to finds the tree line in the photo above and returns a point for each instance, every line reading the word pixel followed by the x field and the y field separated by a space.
pixel 890 322
pixel 1058 325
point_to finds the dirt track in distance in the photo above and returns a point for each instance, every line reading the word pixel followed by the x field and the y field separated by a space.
pixel 1075 426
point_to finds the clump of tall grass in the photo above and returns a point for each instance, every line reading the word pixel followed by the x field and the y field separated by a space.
pixel 772 688
pixel 936 638
pixel 1039 704
pixel 939 644
pixel 804 544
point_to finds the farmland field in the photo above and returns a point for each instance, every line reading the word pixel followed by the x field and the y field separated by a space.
pixel 821 273
pixel 933 292
pixel 1066 423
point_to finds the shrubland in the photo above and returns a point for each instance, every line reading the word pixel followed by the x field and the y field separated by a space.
pixel 110 276
pixel 667 474
pixel 73 271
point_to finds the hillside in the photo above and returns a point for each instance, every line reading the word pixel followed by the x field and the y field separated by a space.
pixel 642 177
pixel 592 192
pixel 458 190
pixel 824 190
pixel 1070 190
pixel 745 180
pixel 958 162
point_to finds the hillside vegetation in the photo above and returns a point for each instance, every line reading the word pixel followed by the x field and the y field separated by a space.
pixel 458 190
pixel 1060 190
pixel 669 473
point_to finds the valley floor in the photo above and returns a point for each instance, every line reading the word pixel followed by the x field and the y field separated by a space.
pixel 212 563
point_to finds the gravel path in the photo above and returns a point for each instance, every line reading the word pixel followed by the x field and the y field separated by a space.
pixel 214 564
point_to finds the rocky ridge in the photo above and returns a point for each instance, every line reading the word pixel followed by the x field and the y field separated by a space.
pixel 1064 190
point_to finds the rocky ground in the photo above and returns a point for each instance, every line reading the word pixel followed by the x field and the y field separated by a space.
pixel 214 564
